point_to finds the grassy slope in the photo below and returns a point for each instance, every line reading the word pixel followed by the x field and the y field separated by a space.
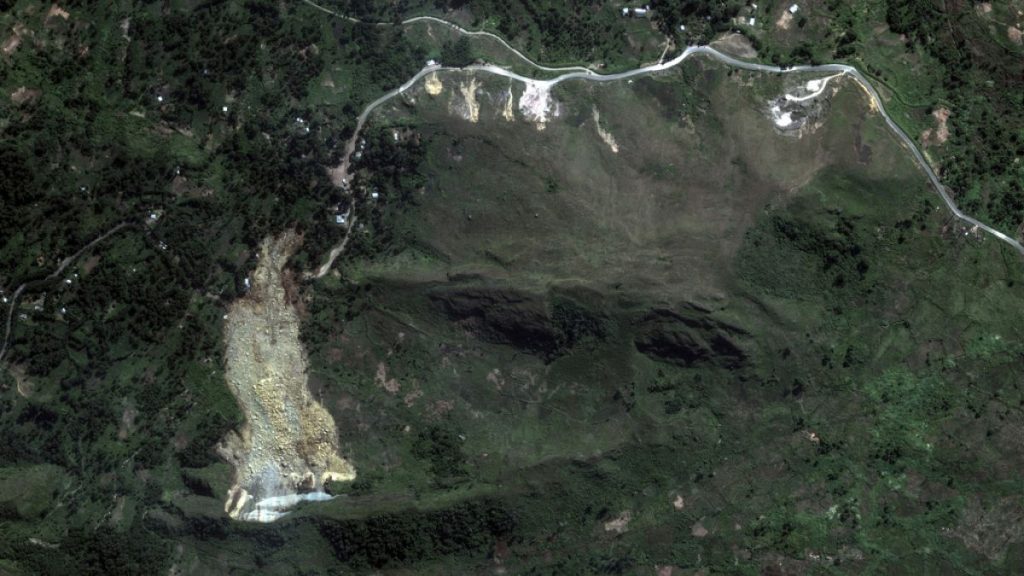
pixel 870 428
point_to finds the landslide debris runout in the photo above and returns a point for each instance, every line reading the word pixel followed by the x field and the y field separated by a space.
pixel 288 447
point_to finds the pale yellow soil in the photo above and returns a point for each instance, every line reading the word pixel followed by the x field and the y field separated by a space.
pixel 381 379
pixel 620 524
pixel 57 12
pixel 289 442
pixel 604 134
pixel 784 21
pixel 508 112
pixel 24 94
pixel 14 40
pixel 938 135
pixel 433 85
pixel 467 106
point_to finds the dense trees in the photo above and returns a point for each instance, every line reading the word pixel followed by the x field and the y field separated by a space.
pixel 96 553
pixel 457 53
pixel 700 17
pixel 413 536
pixel 442 448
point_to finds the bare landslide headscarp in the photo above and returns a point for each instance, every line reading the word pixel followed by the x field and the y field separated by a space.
pixel 288 447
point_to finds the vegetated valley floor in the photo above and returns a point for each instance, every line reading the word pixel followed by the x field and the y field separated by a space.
pixel 665 334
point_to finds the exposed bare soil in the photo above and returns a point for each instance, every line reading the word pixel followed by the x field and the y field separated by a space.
pixel 24 95
pixel 619 524
pixel 289 443
pixel 433 85
pixel 605 135
pixel 14 40
pixel 785 21
pixel 938 135
pixel 736 44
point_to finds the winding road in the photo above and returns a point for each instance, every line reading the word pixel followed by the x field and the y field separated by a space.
pixel 51 277
pixel 586 74
pixel 568 73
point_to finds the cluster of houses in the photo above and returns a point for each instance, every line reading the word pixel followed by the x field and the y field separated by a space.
pixel 751 21
pixel 342 218
pixel 646 11
pixel 637 12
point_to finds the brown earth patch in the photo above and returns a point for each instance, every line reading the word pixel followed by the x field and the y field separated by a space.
pixel 289 443
pixel 90 264
pixel 619 524
pixel 736 45
pixel 346 402
pixel 411 398
pixel 127 425
pixel 337 175
pixel 22 384
pixel 24 95
pixel 440 408
pixel 938 135
pixel 56 11
pixel 13 41
pixel 381 379
pixel 335 354
pixel 292 294
pixel 494 377
pixel 698 530
pixel 1015 35
pixel 785 21
pixel 990 529
pixel 942 131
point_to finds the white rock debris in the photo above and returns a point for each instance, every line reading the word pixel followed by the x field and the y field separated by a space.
pixel 536 103
pixel 288 447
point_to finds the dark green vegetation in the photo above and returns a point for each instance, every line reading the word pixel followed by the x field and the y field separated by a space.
pixel 576 32
pixel 983 80
pixel 747 352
